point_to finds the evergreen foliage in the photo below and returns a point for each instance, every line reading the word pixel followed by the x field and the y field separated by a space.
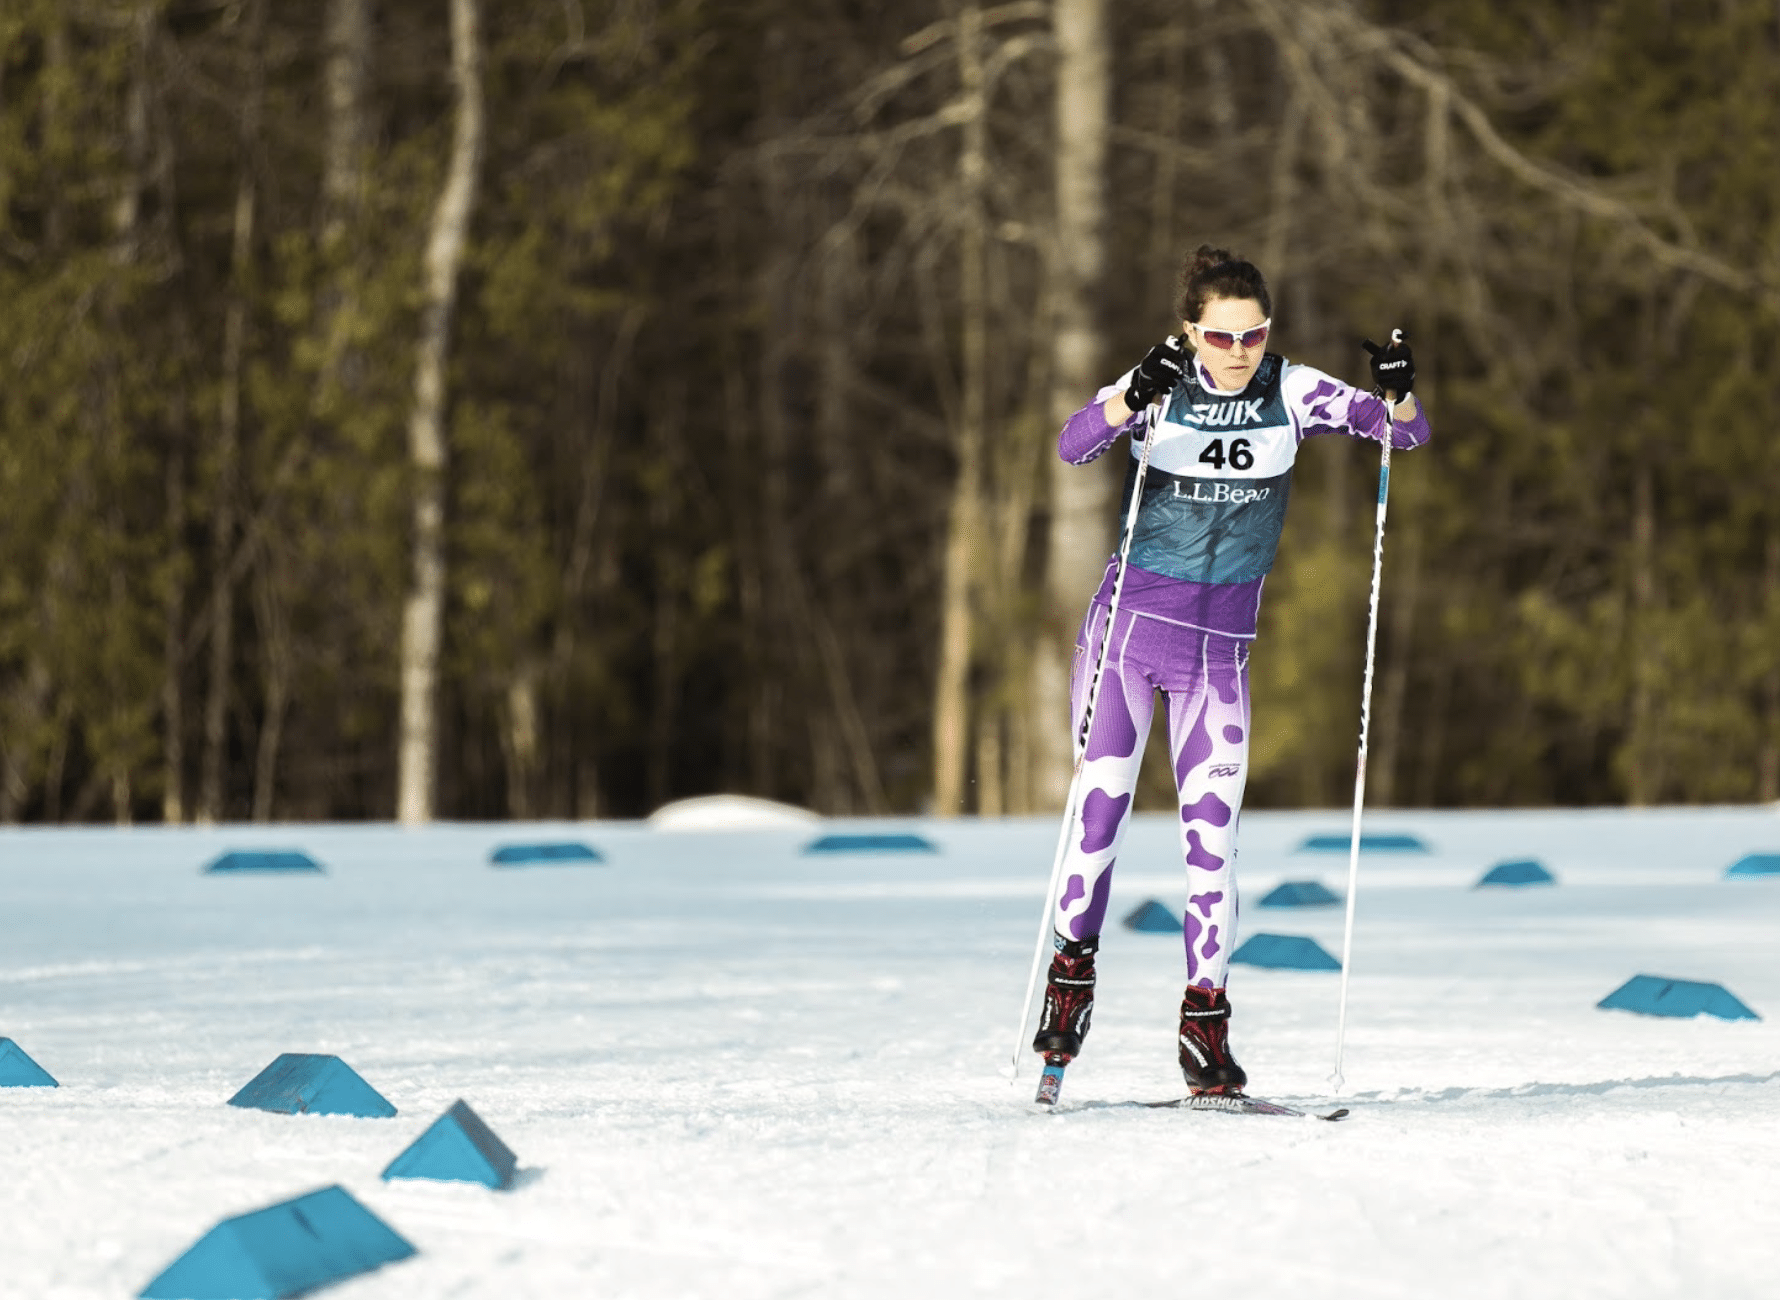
pixel 744 335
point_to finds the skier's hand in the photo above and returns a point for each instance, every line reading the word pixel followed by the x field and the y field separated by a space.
pixel 1393 367
pixel 1156 374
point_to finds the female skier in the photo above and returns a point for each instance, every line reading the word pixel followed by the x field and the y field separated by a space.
pixel 1225 420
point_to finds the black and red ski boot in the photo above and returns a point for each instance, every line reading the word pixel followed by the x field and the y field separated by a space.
pixel 1069 998
pixel 1205 1043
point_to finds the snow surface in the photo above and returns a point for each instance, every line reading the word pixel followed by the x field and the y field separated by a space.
pixel 730 1070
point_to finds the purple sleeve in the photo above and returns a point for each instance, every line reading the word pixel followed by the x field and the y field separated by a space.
pixel 1321 404
pixel 1086 434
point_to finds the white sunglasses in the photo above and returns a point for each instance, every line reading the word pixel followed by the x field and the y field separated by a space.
pixel 1226 339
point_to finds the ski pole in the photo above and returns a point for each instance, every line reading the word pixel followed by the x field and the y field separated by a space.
pixel 1353 851
pixel 1081 739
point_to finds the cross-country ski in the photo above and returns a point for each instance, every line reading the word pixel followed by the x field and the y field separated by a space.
pixel 1243 1104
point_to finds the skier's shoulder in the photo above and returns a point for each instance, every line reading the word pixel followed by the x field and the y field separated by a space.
pixel 1301 382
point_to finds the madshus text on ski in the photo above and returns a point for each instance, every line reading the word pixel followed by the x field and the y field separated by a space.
pixel 1214 423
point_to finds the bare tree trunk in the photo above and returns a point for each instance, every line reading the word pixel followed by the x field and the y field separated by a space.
pixel 56 59
pixel 127 250
pixel 520 736
pixel 779 651
pixel 1395 686
pixel 423 616
pixel 1768 769
pixel 964 523
pixel 224 513
pixel 1436 149
pixel 1642 766
pixel 173 805
pixel 991 780
pixel 1220 92
pixel 1081 496
pixel 1166 179
pixel 28 713
pixel 344 79
pixel 276 651
pixel 576 791
pixel 226 509
pixel 665 633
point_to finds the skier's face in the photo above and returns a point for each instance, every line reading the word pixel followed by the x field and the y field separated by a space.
pixel 1225 336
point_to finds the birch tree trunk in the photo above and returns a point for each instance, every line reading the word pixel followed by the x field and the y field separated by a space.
pixel 423 615
pixel 1081 496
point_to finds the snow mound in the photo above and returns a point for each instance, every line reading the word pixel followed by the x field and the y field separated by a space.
pixel 730 812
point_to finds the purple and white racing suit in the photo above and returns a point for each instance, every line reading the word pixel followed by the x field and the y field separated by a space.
pixel 1214 500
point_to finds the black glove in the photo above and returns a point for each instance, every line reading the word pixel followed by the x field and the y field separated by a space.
pixel 1393 366
pixel 1156 375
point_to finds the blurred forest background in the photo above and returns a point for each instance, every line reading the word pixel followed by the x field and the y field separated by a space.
pixel 484 408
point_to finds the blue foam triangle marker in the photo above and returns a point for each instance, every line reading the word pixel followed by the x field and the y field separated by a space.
pixel 1380 843
pixel 1756 864
pixel 457 1148
pixel 1522 871
pixel 18 1070
pixel 1653 995
pixel 1284 952
pixel 1152 917
pixel 271 860
pixel 526 855
pixel 882 843
pixel 1300 893
pixel 307 1083
pixel 282 1250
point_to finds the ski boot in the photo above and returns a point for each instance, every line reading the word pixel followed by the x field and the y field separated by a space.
pixel 1069 1000
pixel 1204 1043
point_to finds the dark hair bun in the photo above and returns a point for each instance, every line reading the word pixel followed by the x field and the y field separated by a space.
pixel 1210 273
pixel 1204 258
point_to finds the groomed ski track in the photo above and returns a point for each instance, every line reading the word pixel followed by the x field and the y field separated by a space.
pixel 732 1071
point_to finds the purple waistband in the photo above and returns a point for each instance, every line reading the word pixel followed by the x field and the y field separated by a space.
pixel 1226 608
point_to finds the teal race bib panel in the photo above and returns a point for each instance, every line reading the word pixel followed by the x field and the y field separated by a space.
pixel 1214 498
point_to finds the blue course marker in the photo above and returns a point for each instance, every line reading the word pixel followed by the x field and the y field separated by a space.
pixel 457 1148
pixel 18 1070
pixel 528 855
pixel 1368 844
pixel 1300 893
pixel 307 1083
pixel 1653 995
pixel 1153 917
pixel 1755 864
pixel 1522 871
pixel 881 843
pixel 1284 952
pixel 283 1250
pixel 245 860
